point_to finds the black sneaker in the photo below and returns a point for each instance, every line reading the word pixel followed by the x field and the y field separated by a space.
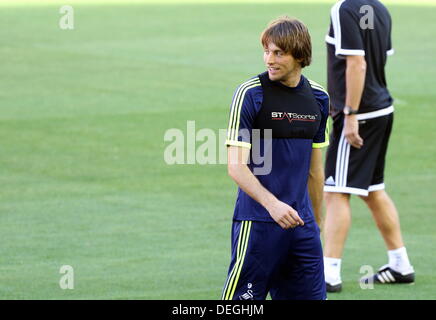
pixel 333 287
pixel 387 275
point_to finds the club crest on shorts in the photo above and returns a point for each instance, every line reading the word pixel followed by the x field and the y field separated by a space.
pixel 249 294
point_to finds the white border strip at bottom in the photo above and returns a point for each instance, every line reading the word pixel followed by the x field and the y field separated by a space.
pixel 356 191
pixel 375 187
pixel 359 192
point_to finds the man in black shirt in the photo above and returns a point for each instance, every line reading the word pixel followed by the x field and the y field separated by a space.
pixel 358 43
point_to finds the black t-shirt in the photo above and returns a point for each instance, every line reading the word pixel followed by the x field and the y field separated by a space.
pixel 354 32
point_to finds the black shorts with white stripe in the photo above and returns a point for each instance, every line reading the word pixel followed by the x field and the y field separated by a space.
pixel 359 171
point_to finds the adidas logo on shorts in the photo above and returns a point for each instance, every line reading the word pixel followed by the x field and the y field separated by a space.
pixel 330 181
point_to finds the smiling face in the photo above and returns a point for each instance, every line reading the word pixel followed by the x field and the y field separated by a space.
pixel 281 66
pixel 287 50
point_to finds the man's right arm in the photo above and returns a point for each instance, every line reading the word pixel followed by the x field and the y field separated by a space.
pixel 238 170
pixel 350 45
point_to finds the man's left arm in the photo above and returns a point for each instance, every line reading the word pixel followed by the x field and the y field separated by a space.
pixel 321 140
pixel 316 184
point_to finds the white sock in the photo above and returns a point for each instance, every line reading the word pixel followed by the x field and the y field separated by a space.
pixel 332 270
pixel 399 261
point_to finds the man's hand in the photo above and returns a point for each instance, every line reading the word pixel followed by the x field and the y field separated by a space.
pixel 284 215
pixel 351 131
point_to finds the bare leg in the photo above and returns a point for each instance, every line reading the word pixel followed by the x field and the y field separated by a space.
pixel 337 223
pixel 386 217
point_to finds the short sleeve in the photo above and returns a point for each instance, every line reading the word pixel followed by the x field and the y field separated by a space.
pixel 330 36
pixel 321 138
pixel 348 38
pixel 243 112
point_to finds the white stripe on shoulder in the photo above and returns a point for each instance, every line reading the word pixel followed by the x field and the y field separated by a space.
pixel 316 85
pixel 240 92
pixel 239 108
pixel 336 23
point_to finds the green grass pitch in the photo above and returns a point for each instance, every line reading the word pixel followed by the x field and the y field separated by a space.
pixel 83 114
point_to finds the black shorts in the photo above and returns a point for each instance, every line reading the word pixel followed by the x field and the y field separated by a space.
pixel 359 171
